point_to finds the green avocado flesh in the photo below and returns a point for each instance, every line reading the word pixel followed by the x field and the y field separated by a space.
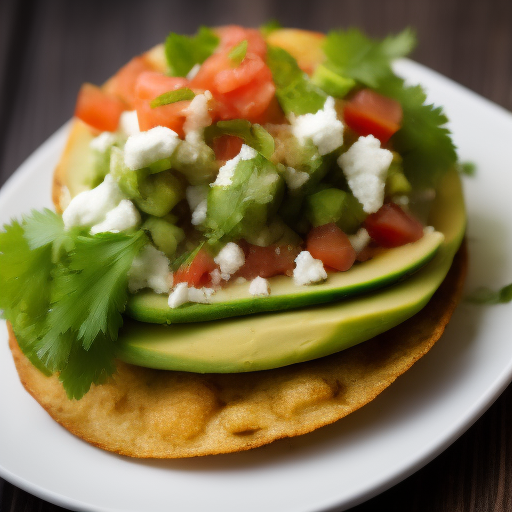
pixel 235 300
pixel 268 341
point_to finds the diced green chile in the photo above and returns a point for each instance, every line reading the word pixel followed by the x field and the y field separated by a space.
pixel 165 236
pixel 248 204
pixel 335 205
pixel 195 161
pixel 155 194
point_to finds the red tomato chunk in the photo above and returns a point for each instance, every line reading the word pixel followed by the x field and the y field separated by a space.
pixel 391 226
pixel 367 112
pixel 98 109
pixel 122 84
pixel 196 274
pixel 269 261
pixel 331 245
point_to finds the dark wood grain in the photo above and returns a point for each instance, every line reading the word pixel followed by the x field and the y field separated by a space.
pixel 48 48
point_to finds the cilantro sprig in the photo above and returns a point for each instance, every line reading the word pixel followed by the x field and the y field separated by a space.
pixel 183 52
pixel 353 55
pixel 294 90
pixel 423 139
pixel 64 292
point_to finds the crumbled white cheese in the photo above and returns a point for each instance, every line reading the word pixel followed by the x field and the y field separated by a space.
pixel 359 240
pixel 323 128
pixel 216 277
pixel 121 218
pixel 401 200
pixel 197 201
pixel 193 71
pixel 365 166
pixel 178 296
pixel 308 270
pixel 150 269
pixel 295 179
pixel 201 295
pixel 195 195
pixel 227 171
pixel 91 206
pixel 103 142
pixel 230 258
pixel 181 294
pixel 259 286
pixel 144 148
pixel 198 117
pixel 199 214
pixel 129 123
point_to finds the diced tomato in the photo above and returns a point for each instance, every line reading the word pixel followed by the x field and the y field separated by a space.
pixel 122 84
pixel 253 99
pixel 98 109
pixel 231 35
pixel 150 85
pixel 331 245
pixel 231 78
pixel 196 274
pixel 368 112
pixel 269 261
pixel 391 226
pixel 226 147
pixel 241 92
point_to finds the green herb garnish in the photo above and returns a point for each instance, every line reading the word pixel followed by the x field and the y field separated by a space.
pixel 172 97
pixel 253 135
pixel 467 168
pixel 269 27
pixel 353 55
pixel 64 292
pixel 294 90
pixel 423 140
pixel 184 52
pixel 484 295
pixel 238 53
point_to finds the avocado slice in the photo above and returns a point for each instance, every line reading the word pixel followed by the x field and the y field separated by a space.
pixel 235 300
pixel 272 340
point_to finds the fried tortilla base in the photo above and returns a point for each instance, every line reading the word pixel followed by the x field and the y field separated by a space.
pixel 150 413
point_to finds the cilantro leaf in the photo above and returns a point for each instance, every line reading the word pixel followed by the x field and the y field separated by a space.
pixel 25 276
pixel 467 168
pixel 89 294
pixel 423 140
pixel 485 295
pixel 351 54
pixel 238 53
pixel 269 27
pixel 88 366
pixel 183 52
pixel 294 90
pixel 253 135
pixel 64 293
pixel 172 97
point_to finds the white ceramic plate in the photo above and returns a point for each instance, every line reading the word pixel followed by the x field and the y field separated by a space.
pixel 337 466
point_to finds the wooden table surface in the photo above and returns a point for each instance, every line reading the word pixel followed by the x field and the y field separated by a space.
pixel 49 47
